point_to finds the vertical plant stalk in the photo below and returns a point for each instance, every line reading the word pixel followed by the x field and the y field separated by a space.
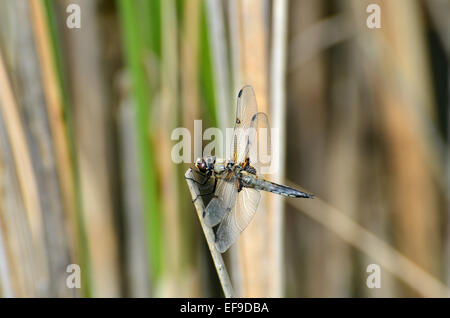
pixel 6 289
pixel 190 101
pixel 25 173
pixel 93 127
pixel 54 104
pixel 220 61
pixel 166 112
pixel 278 111
pixel 306 113
pixel 136 258
pixel 257 243
pixel 209 236
pixel 413 188
pixel 13 220
pixel 439 11
pixel 134 48
pixel 190 54
pixel 234 23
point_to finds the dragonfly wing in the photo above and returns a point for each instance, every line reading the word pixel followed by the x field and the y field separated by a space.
pixel 223 201
pixel 237 220
pixel 259 145
pixel 246 108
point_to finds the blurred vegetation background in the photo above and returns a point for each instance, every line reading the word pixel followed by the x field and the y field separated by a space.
pixel 86 117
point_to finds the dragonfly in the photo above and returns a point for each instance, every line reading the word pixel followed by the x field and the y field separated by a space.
pixel 237 181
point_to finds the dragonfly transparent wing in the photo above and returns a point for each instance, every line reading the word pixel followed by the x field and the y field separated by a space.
pixel 259 144
pixel 238 219
pixel 223 201
pixel 246 108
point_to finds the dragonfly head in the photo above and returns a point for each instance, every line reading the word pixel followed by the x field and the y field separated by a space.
pixel 200 164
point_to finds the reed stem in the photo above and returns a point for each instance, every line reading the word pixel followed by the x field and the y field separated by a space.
pixel 209 235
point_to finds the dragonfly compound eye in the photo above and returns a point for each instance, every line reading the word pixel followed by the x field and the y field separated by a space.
pixel 201 165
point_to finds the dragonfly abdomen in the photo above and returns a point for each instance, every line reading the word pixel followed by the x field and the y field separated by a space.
pixel 257 183
pixel 283 190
